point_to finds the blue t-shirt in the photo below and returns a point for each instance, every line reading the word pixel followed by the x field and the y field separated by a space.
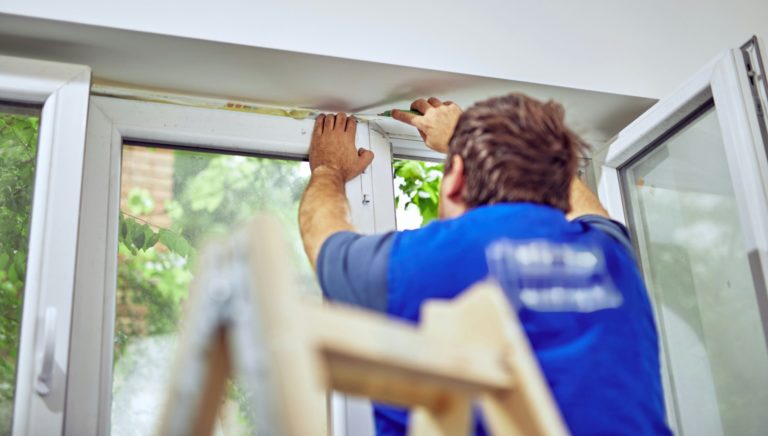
pixel 602 365
pixel 352 268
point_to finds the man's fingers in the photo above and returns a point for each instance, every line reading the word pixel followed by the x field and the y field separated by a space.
pixel 448 103
pixel 328 124
pixel 341 121
pixel 351 127
pixel 365 157
pixel 435 102
pixel 318 130
pixel 421 105
pixel 406 117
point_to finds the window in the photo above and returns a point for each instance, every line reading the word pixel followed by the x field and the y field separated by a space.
pixel 683 208
pixel 417 192
pixel 43 107
pixel 19 127
pixel 171 201
pixel 153 194
pixel 688 177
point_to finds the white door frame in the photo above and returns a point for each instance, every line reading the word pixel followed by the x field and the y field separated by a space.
pixel 63 91
pixel 725 82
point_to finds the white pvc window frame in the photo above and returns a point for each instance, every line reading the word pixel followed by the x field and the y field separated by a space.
pixel 112 122
pixel 63 92
pixel 725 82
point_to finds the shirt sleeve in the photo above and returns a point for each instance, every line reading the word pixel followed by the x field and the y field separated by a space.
pixel 352 269
pixel 613 228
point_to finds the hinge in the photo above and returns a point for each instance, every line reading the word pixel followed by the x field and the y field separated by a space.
pixel 758 82
pixel 754 82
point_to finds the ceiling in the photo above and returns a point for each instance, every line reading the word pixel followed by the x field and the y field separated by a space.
pixel 627 47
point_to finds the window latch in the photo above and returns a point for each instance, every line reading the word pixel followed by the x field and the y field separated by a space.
pixel 45 356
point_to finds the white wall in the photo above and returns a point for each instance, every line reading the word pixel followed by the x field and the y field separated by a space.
pixel 642 48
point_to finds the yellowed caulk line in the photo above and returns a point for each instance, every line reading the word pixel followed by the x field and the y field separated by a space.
pixel 107 89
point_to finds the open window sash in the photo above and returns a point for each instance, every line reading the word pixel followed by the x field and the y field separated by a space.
pixel 704 143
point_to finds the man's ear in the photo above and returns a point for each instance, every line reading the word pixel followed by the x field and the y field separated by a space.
pixel 453 181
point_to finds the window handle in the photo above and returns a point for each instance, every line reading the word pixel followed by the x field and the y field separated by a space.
pixel 45 355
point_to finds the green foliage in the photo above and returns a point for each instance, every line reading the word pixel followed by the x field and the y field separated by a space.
pixel 153 275
pixel 18 147
pixel 419 183
pixel 155 280
pixel 140 202
pixel 244 409
pixel 213 193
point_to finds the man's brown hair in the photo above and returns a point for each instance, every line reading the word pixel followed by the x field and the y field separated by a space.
pixel 516 149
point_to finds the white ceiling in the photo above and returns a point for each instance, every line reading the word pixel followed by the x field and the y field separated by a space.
pixel 243 73
pixel 629 47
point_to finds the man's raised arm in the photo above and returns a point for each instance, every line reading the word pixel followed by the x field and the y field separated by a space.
pixel 333 160
pixel 584 201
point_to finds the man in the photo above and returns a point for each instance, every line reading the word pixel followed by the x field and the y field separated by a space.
pixel 510 174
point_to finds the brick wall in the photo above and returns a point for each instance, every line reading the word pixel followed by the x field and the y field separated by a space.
pixel 150 169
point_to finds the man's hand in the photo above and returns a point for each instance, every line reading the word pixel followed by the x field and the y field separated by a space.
pixel 436 124
pixel 333 146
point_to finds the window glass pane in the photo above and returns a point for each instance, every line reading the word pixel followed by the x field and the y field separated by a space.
pixel 171 201
pixel 18 147
pixel 417 192
pixel 686 223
